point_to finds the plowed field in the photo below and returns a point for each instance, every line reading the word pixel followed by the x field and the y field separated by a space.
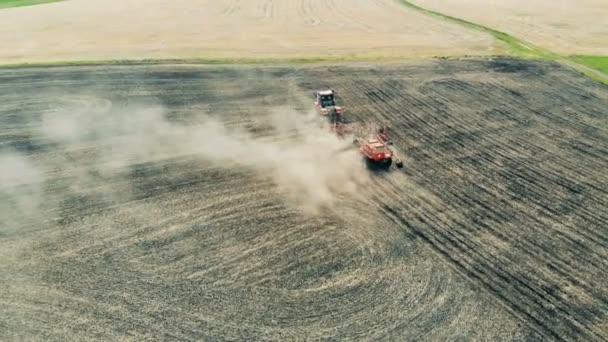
pixel 127 214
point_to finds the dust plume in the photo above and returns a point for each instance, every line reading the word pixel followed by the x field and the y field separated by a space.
pixel 313 165
pixel 20 190
pixel 304 160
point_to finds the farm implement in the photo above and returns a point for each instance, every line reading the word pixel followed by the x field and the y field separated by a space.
pixel 374 144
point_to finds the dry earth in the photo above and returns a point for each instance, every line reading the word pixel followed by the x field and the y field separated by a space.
pixel 127 214
pixel 564 26
pixel 118 29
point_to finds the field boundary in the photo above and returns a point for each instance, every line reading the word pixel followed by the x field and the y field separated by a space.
pixel 519 47
pixel 24 3
pixel 516 48
pixel 322 60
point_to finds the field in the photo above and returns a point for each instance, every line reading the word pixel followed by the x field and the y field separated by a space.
pixel 565 26
pixel 230 29
pixel 192 201
pixel 134 207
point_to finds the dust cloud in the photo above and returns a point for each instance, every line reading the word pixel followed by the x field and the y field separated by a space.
pixel 308 164
pixel 20 189
pixel 90 148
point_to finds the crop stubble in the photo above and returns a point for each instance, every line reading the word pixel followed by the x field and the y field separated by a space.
pixel 567 26
pixel 229 29
pixel 504 191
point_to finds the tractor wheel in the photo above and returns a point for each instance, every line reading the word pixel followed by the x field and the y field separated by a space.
pixel 370 163
pixel 386 164
pixel 378 166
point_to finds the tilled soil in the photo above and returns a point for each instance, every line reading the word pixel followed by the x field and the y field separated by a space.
pixel 495 229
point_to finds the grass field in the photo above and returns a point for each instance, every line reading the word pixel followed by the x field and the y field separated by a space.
pixel 596 62
pixel 20 3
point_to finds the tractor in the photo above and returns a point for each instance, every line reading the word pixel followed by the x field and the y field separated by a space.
pixel 325 103
pixel 376 151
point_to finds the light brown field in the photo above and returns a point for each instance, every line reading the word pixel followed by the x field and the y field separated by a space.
pixel 117 29
pixel 565 26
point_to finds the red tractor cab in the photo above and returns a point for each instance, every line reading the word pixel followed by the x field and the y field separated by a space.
pixel 325 103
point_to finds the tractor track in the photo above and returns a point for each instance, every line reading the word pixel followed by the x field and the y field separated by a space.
pixel 494 230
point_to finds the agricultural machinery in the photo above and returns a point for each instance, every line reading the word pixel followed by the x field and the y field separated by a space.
pixel 377 152
pixel 325 103
pixel 373 144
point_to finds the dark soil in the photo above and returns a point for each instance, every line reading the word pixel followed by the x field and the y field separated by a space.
pixel 497 229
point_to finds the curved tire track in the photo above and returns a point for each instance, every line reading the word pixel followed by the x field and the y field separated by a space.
pixel 495 196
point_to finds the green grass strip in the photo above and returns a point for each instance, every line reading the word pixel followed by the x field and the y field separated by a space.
pixel 20 3
pixel 596 62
